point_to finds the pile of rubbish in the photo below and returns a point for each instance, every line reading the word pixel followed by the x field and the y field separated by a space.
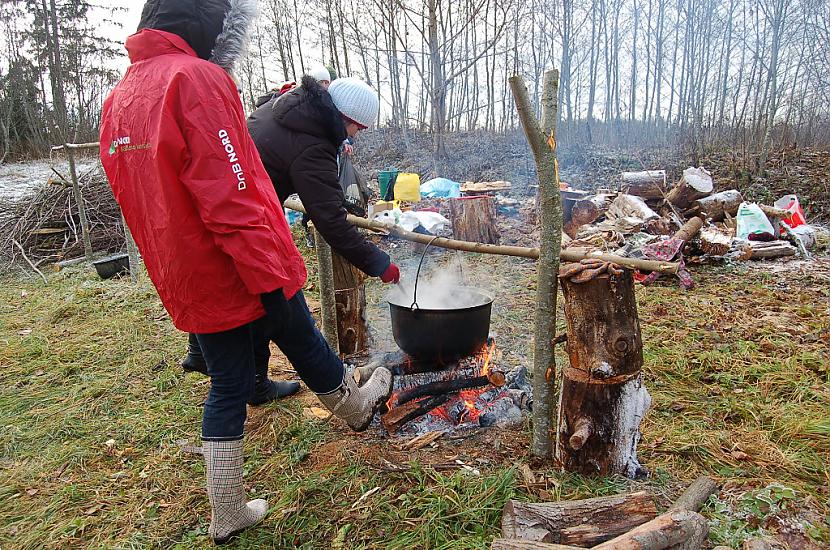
pixel 647 218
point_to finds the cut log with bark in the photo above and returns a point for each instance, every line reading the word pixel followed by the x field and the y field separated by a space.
pixel 774 213
pixel 649 185
pixel 715 242
pixel 494 378
pixel 766 250
pixel 670 530
pixel 474 219
pixel 520 544
pixel 603 385
pixel 586 211
pixel 399 416
pixel 350 295
pixel 578 522
pixel 689 230
pixel 695 184
pixel 696 495
pixel 629 205
pixel 715 207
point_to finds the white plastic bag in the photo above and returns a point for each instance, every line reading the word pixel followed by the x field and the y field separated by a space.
pixel 752 220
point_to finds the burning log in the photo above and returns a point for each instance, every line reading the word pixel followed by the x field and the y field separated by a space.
pixel 495 378
pixel 718 205
pixel 603 397
pixel 474 219
pixel 399 416
pixel 578 523
pixel 649 185
pixel 695 184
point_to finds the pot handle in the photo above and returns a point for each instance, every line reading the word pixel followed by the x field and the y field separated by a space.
pixel 414 306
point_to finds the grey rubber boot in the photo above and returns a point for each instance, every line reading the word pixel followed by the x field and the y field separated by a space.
pixel 357 404
pixel 230 513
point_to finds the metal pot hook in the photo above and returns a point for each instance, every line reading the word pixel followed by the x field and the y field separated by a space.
pixel 414 306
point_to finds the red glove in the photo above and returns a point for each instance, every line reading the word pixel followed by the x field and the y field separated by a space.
pixel 391 275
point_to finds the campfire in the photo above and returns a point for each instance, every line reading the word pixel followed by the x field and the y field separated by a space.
pixel 470 392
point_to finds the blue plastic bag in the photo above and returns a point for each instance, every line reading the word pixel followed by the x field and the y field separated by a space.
pixel 441 188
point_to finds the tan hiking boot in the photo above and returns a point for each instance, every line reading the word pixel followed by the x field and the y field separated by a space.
pixel 230 513
pixel 357 404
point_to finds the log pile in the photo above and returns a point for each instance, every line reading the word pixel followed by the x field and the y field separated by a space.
pixel 621 522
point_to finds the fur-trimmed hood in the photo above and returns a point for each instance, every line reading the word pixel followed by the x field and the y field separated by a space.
pixel 309 109
pixel 217 30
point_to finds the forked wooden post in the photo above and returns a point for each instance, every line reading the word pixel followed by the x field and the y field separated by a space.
pixel 542 140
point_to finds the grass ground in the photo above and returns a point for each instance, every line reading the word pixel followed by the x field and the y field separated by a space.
pixel 93 408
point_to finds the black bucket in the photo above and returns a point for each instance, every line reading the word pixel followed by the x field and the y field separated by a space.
pixel 111 266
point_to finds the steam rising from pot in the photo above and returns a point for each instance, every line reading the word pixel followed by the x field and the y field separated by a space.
pixel 443 288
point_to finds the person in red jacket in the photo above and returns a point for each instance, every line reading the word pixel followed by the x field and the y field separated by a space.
pixel 211 230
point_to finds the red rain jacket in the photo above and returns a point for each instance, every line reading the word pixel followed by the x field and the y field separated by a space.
pixel 192 187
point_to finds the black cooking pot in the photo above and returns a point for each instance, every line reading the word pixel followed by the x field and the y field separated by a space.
pixel 442 334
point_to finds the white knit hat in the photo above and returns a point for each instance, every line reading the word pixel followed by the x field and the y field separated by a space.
pixel 356 100
pixel 320 73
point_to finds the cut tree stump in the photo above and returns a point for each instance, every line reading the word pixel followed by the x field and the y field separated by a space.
pixel 579 522
pixel 718 205
pixel 603 398
pixel 350 296
pixel 681 530
pixel 649 185
pixel 474 219
pixel 695 184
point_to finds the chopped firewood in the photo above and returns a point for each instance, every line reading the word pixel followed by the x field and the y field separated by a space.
pixel 495 378
pixel 485 186
pixel 579 522
pixel 716 242
pixel 669 530
pixel 718 205
pixel 650 184
pixel 422 441
pixel 629 205
pixel 695 184
pixel 399 416
pixel 774 249
pixel 586 211
pixel 521 544
pixel 689 230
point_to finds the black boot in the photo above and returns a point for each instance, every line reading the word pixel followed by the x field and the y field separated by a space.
pixel 267 390
pixel 195 361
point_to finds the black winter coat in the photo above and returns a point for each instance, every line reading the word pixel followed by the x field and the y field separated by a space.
pixel 298 136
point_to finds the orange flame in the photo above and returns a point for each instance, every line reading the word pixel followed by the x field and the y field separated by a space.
pixel 487 353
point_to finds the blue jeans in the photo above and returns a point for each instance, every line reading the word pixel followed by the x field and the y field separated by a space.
pixel 232 356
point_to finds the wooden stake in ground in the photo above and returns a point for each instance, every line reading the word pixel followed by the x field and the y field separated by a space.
pixel 79 199
pixel 603 397
pixel 577 522
pixel 328 302
pixel 474 219
pixel 350 295
pixel 542 140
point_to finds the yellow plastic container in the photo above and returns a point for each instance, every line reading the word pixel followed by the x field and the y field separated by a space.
pixel 408 187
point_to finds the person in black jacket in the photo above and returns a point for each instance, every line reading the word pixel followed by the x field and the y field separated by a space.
pixel 298 136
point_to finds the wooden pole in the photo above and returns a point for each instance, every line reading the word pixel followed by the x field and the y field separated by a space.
pixel 79 198
pixel 542 140
pixel 572 255
pixel 328 301
pixel 132 252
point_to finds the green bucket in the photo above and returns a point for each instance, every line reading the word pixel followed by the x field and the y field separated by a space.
pixel 385 179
